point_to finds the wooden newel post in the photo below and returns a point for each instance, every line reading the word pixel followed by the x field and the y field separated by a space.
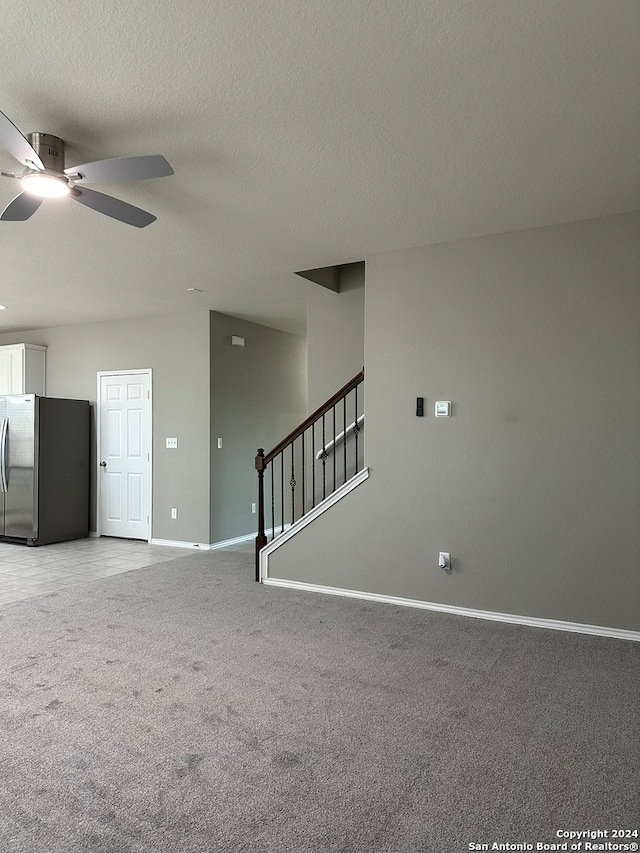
pixel 261 539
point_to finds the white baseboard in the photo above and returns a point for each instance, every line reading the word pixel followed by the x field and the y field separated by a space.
pixel 227 543
pixel 200 546
pixel 530 621
pixel 248 537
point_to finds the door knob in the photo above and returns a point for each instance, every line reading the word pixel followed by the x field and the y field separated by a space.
pixel 103 464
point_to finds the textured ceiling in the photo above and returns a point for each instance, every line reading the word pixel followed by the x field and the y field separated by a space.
pixel 305 133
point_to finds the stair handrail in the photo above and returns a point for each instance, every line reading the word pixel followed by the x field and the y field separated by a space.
pixel 313 417
pixel 262 459
pixel 331 445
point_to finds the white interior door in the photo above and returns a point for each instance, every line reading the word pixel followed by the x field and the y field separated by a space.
pixel 124 449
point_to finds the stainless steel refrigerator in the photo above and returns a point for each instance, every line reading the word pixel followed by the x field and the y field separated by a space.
pixel 44 469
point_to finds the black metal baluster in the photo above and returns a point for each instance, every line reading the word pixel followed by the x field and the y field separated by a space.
pixel 292 483
pixel 282 491
pixel 324 462
pixel 335 449
pixel 273 505
pixel 356 428
pixel 304 496
pixel 313 465
pixel 344 413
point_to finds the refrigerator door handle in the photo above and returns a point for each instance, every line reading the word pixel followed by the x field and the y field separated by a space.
pixel 4 423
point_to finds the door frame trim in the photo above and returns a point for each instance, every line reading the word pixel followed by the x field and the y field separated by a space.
pixel 100 374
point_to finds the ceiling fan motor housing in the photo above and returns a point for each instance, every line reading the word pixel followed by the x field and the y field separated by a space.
pixel 50 149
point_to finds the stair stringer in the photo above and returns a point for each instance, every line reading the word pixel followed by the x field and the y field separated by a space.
pixel 308 518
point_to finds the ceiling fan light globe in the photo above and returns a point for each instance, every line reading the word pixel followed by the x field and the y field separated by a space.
pixel 45 186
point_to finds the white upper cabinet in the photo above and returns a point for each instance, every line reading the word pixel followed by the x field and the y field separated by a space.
pixel 22 369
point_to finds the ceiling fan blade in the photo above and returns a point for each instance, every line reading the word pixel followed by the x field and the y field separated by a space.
pixel 16 144
pixel 113 207
pixel 121 169
pixel 21 208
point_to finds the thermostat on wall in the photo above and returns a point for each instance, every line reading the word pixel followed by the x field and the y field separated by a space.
pixel 443 409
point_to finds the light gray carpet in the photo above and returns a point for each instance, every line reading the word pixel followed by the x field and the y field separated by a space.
pixel 184 708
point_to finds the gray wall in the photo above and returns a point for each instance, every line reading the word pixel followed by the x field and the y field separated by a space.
pixel 534 484
pixel 177 350
pixel 258 395
pixel 335 335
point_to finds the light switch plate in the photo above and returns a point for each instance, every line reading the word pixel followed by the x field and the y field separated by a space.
pixel 443 408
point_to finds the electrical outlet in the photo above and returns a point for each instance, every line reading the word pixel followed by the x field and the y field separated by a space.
pixel 253 508
pixel 219 444
pixel 171 443
pixel 444 561
pixel 174 512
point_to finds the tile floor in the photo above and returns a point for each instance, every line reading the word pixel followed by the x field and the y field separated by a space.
pixel 25 571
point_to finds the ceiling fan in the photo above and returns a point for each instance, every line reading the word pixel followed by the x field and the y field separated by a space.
pixel 45 176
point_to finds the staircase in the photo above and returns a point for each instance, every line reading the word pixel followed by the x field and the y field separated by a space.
pixel 310 464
